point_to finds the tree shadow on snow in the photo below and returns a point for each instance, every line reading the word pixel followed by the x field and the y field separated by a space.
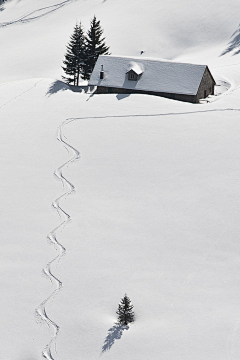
pixel 234 44
pixel 58 85
pixel 114 333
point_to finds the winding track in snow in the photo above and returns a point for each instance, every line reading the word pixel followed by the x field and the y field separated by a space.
pixel 36 14
pixel 41 312
pixel 151 115
pixel 52 237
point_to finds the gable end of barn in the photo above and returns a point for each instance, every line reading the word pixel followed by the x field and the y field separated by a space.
pixel 206 86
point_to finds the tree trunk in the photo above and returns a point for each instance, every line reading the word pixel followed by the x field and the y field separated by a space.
pixel 78 75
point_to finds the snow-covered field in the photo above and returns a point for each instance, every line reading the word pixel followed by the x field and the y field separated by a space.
pixel 155 212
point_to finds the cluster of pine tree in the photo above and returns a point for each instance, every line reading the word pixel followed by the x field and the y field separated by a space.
pixel 83 51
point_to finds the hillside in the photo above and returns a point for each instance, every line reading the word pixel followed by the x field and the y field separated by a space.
pixel 154 211
pixel 34 34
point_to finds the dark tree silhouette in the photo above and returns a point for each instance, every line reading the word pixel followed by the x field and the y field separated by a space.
pixel 75 57
pixel 95 46
pixel 234 44
pixel 1 4
pixel 125 311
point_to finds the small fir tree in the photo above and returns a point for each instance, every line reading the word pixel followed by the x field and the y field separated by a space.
pixel 125 311
pixel 95 46
pixel 75 56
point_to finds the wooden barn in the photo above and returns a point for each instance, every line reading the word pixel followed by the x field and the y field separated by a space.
pixel 125 75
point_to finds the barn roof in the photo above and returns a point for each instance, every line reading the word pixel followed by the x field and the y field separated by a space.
pixel 156 75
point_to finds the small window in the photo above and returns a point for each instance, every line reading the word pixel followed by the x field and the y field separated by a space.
pixel 132 76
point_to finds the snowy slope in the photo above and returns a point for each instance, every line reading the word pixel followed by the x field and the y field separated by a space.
pixel 155 211
pixel 155 216
pixel 161 29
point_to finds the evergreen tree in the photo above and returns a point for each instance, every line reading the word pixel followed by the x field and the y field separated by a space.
pixel 125 311
pixel 95 46
pixel 75 56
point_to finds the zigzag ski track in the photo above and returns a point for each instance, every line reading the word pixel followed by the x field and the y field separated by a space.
pixel 41 312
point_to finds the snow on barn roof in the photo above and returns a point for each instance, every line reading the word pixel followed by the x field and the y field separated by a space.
pixel 156 75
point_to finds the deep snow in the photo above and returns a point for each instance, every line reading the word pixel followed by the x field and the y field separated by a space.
pixel 155 212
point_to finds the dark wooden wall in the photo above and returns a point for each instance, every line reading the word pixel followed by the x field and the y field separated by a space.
pixel 114 90
pixel 206 85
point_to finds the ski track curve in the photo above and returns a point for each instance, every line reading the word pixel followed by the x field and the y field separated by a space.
pixel 36 14
pixel 153 115
pixel 40 312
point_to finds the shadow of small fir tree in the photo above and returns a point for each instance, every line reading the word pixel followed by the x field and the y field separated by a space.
pixel 114 333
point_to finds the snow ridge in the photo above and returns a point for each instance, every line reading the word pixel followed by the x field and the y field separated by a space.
pixel 41 309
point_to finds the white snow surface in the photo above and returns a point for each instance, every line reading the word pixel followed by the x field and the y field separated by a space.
pixel 155 211
pixel 156 75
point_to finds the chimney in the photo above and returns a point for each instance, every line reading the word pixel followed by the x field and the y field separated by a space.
pixel 101 73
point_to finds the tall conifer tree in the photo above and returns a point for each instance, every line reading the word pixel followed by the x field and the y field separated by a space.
pixel 75 56
pixel 125 311
pixel 95 46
